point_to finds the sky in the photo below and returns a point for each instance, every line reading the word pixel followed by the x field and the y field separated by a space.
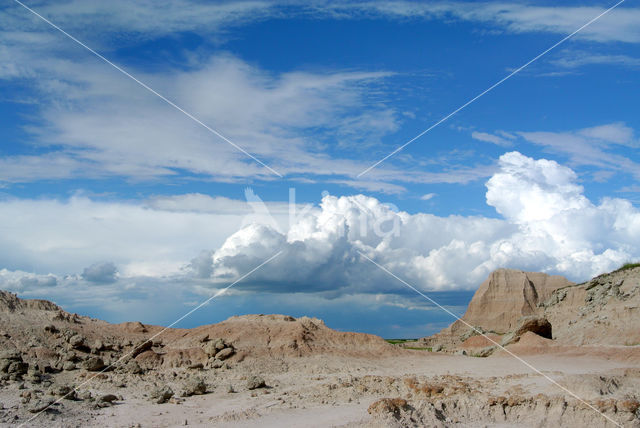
pixel 152 155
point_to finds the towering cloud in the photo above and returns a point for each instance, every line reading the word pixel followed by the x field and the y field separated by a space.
pixel 548 225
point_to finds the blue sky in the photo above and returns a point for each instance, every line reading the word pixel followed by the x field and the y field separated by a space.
pixel 115 204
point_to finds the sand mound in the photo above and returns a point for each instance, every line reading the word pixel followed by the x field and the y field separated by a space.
pixel 479 342
pixel 531 339
pixel 281 335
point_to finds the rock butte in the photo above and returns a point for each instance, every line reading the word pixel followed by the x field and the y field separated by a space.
pixel 604 310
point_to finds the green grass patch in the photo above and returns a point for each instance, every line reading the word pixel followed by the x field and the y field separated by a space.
pixel 397 341
pixel 628 266
pixel 415 348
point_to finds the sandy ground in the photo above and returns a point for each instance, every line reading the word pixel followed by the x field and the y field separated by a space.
pixel 322 391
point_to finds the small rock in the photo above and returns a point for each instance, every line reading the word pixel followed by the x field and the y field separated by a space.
pixel 97 346
pixel 60 390
pixel 210 349
pixel 18 368
pixel 224 354
pixel 34 375
pixel 485 352
pixel 509 338
pixel 161 395
pixel 133 367
pixel 77 342
pixel 93 364
pixel 70 356
pixel 51 329
pixel 194 386
pixel 142 347
pixel 215 363
pixel 107 398
pixel 255 382
pixel 220 344
pixel 40 405
pixel 68 366
pixel 11 355
pixel 63 391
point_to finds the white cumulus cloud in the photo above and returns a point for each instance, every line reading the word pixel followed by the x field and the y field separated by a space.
pixel 548 225
pixel 545 223
pixel 18 281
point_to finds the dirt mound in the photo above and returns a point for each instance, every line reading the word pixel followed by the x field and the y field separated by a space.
pixel 481 341
pixel 133 327
pixel 531 341
pixel 281 335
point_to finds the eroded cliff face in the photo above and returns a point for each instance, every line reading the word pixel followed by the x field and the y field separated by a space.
pixel 508 295
pixel 604 310
pixel 501 301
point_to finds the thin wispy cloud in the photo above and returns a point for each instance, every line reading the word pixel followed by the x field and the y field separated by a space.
pixel 578 59
pixel 593 146
pixel 491 138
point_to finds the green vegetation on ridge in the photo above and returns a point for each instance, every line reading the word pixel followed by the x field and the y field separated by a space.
pixel 627 266
pixel 397 341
